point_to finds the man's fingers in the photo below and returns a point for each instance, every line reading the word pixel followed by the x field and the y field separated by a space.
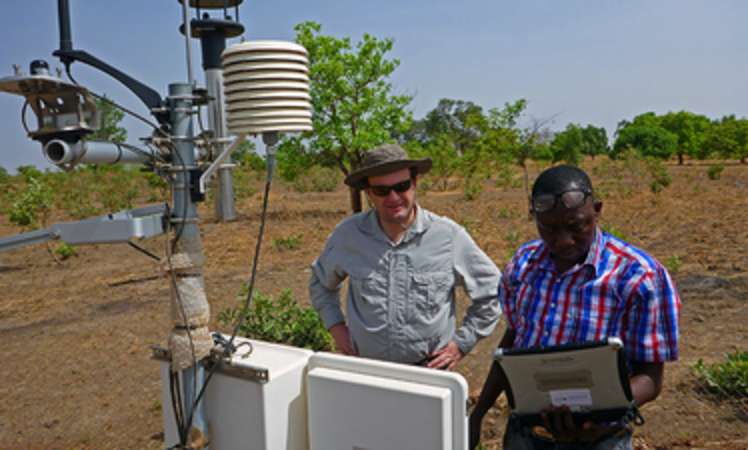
pixel 438 362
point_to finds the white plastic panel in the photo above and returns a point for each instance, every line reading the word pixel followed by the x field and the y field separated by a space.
pixel 364 404
pixel 354 411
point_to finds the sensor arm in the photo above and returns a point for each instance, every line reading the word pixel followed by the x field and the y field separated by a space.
pixel 147 95
pixel 68 55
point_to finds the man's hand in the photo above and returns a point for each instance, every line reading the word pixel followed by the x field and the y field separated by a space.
pixel 445 358
pixel 342 339
pixel 560 423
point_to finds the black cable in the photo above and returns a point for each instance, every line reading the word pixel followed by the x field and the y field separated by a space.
pixel 176 402
pixel 103 98
pixel 183 426
pixel 142 250
pixel 186 178
pixel 23 117
pixel 248 300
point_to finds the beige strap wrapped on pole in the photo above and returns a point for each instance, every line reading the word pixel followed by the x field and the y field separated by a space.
pixel 189 340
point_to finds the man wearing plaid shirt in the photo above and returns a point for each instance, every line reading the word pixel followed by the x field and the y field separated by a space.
pixel 580 284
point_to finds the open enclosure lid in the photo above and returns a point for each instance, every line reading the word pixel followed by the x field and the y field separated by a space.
pixel 359 403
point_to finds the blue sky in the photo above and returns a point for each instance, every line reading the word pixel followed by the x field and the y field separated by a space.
pixel 592 61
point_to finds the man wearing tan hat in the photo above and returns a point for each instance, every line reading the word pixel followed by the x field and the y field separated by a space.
pixel 403 264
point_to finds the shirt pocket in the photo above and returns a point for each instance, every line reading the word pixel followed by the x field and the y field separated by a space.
pixel 370 296
pixel 430 294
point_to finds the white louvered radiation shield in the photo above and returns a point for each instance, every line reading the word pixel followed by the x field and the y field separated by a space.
pixel 266 84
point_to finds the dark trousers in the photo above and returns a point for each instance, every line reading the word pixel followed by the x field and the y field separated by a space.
pixel 521 437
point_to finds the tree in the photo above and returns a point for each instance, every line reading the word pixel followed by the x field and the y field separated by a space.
pixel 110 117
pixel 534 143
pixel 595 141
pixel 690 130
pixel 460 137
pixel 646 135
pixel 462 121
pixel 444 158
pixel 355 108
pixel 728 137
pixel 567 145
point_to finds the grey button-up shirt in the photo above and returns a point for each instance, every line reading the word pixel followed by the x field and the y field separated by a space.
pixel 401 295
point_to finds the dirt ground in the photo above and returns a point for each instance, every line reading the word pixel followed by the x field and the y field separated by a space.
pixel 76 366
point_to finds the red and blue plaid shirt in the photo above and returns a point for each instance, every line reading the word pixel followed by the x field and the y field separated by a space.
pixel 619 290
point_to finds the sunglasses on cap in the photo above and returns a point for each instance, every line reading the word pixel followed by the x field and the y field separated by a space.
pixel 570 199
pixel 384 191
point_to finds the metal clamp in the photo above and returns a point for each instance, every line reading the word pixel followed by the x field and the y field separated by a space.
pixel 226 366
pixel 205 178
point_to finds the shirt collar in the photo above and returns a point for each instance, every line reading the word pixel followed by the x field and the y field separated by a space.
pixel 370 225
pixel 594 255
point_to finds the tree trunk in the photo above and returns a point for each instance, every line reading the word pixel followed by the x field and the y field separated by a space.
pixel 356 205
pixel 680 159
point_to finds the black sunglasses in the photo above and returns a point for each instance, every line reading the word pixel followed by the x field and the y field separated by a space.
pixel 570 199
pixel 384 191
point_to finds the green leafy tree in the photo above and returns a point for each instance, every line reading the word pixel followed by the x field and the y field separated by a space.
pixel 246 156
pixel 508 116
pixel 728 137
pixel 595 141
pixel 462 121
pixel 294 159
pixel 355 108
pixel 444 157
pixel 109 129
pixel 567 145
pixel 689 128
pixel 646 135
pixel 502 138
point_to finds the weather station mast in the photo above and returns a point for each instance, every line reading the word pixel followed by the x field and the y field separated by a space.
pixel 222 391
pixel 264 76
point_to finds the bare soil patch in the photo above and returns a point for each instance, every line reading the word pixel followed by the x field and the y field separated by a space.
pixel 76 365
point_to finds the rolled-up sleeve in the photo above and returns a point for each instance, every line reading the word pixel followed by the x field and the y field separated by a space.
pixel 481 279
pixel 324 286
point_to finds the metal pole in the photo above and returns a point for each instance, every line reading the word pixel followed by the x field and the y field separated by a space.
pixel 190 340
pixel 187 37
pixel 63 17
pixel 224 201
